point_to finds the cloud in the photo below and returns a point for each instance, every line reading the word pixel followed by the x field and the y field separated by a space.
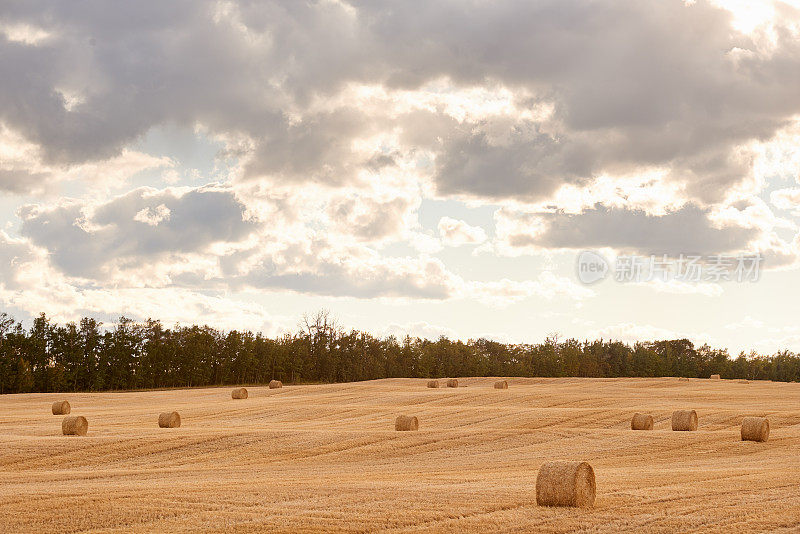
pixel 505 292
pixel 144 225
pixel 688 230
pixel 64 303
pixel 786 199
pixel 774 344
pixel 21 181
pixel 30 284
pixel 679 287
pixel 647 126
pixel 14 254
pixel 455 233
pixel 632 333
pixel 153 216
pixel 24 33
pixel 420 329
pixel 630 84
pixel 319 268
pixel 371 219
pixel 23 172
pixel 747 322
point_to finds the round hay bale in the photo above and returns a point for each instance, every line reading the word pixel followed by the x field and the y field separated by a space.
pixel 61 408
pixel 74 425
pixel 684 420
pixel 642 421
pixel 433 383
pixel 275 384
pixel 169 420
pixel 565 484
pixel 239 393
pixel 502 384
pixel 452 383
pixel 755 429
pixel 715 377
pixel 406 422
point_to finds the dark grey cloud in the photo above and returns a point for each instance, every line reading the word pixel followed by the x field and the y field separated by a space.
pixel 687 230
pixel 632 82
pixel 138 227
pixel 529 164
pixel 20 181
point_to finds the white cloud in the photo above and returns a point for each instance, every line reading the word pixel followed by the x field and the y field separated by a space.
pixel 679 287
pixel 455 233
pixel 633 332
pixel 505 292
pixel 787 199
pixel 153 216
pixel 776 344
pixel 420 329
pixel 747 322
pixel 25 33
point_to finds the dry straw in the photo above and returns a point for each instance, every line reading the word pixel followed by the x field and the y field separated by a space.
pixel 74 425
pixel 715 377
pixel 565 484
pixel 406 422
pixel 275 384
pixel 433 383
pixel 452 383
pixel 684 420
pixel 642 421
pixel 755 429
pixel 169 420
pixel 502 384
pixel 61 408
pixel 239 393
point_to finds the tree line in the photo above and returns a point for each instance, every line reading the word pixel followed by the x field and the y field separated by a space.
pixel 85 356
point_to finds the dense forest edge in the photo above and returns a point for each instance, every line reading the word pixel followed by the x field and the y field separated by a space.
pixel 85 356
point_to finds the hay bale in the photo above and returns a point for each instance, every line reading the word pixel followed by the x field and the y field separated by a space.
pixel 683 379
pixel 684 420
pixel 169 420
pixel 715 377
pixel 642 421
pixel 74 425
pixel 452 383
pixel 239 393
pixel 755 429
pixel 275 384
pixel 406 422
pixel 502 384
pixel 61 408
pixel 433 383
pixel 743 381
pixel 565 484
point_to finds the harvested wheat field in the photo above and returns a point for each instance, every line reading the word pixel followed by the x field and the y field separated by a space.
pixel 328 458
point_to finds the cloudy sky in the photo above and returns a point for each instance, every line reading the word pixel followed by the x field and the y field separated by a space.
pixel 415 166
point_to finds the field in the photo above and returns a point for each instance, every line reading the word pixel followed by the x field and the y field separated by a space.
pixel 326 458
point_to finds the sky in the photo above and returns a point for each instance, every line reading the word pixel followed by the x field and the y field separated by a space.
pixel 421 167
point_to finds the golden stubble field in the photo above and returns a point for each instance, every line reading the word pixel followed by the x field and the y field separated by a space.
pixel 326 458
